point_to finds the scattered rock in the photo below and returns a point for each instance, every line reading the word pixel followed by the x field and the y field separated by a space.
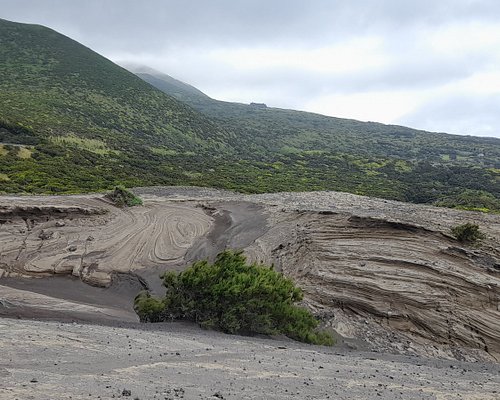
pixel 63 269
pixel 45 235
pixel 126 393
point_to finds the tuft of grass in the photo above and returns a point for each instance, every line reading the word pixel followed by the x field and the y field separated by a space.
pixel 467 233
pixel 123 197
pixel 24 153
pixel 95 146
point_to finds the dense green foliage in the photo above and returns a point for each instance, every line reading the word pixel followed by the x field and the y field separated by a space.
pixel 467 233
pixel 54 90
pixel 122 197
pixel 292 150
pixel 72 121
pixel 234 297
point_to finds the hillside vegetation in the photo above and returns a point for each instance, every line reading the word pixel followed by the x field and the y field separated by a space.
pixel 305 151
pixel 88 123
pixel 72 121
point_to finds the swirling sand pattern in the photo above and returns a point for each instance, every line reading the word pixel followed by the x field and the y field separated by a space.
pixel 35 239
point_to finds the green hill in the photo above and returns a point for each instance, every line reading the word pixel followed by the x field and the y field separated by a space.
pixel 89 123
pixel 73 121
pixel 318 152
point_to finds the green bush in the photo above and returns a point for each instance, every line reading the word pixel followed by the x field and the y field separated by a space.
pixel 467 233
pixel 234 297
pixel 122 197
pixel 148 308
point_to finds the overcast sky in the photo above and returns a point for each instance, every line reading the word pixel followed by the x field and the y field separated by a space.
pixel 429 64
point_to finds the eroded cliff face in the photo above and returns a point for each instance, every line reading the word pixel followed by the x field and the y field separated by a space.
pixel 384 275
pixel 387 277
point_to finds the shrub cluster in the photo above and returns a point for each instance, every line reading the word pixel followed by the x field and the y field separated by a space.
pixel 467 233
pixel 234 297
pixel 122 197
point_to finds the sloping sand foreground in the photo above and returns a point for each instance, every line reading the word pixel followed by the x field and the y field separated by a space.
pixel 50 360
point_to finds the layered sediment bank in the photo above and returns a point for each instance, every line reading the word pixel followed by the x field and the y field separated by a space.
pixel 384 275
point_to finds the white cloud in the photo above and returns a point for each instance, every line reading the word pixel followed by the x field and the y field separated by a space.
pixel 468 37
pixel 484 82
pixel 461 114
pixel 383 106
pixel 348 57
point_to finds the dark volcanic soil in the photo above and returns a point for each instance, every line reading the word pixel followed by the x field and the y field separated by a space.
pixel 119 295
pixel 50 360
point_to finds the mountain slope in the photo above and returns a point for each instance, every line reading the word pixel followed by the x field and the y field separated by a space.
pixel 72 121
pixel 175 88
pixel 360 157
pixel 370 138
pixel 79 108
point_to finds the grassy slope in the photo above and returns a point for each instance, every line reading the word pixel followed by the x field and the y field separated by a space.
pixel 313 151
pixel 72 121
pixel 92 123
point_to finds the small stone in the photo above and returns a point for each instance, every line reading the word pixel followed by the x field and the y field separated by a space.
pixel 126 393
pixel 34 380
pixel 59 224
pixel 72 248
pixel 45 235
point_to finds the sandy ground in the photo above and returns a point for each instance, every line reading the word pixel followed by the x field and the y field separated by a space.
pixel 50 360
pixel 383 275
pixel 67 299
